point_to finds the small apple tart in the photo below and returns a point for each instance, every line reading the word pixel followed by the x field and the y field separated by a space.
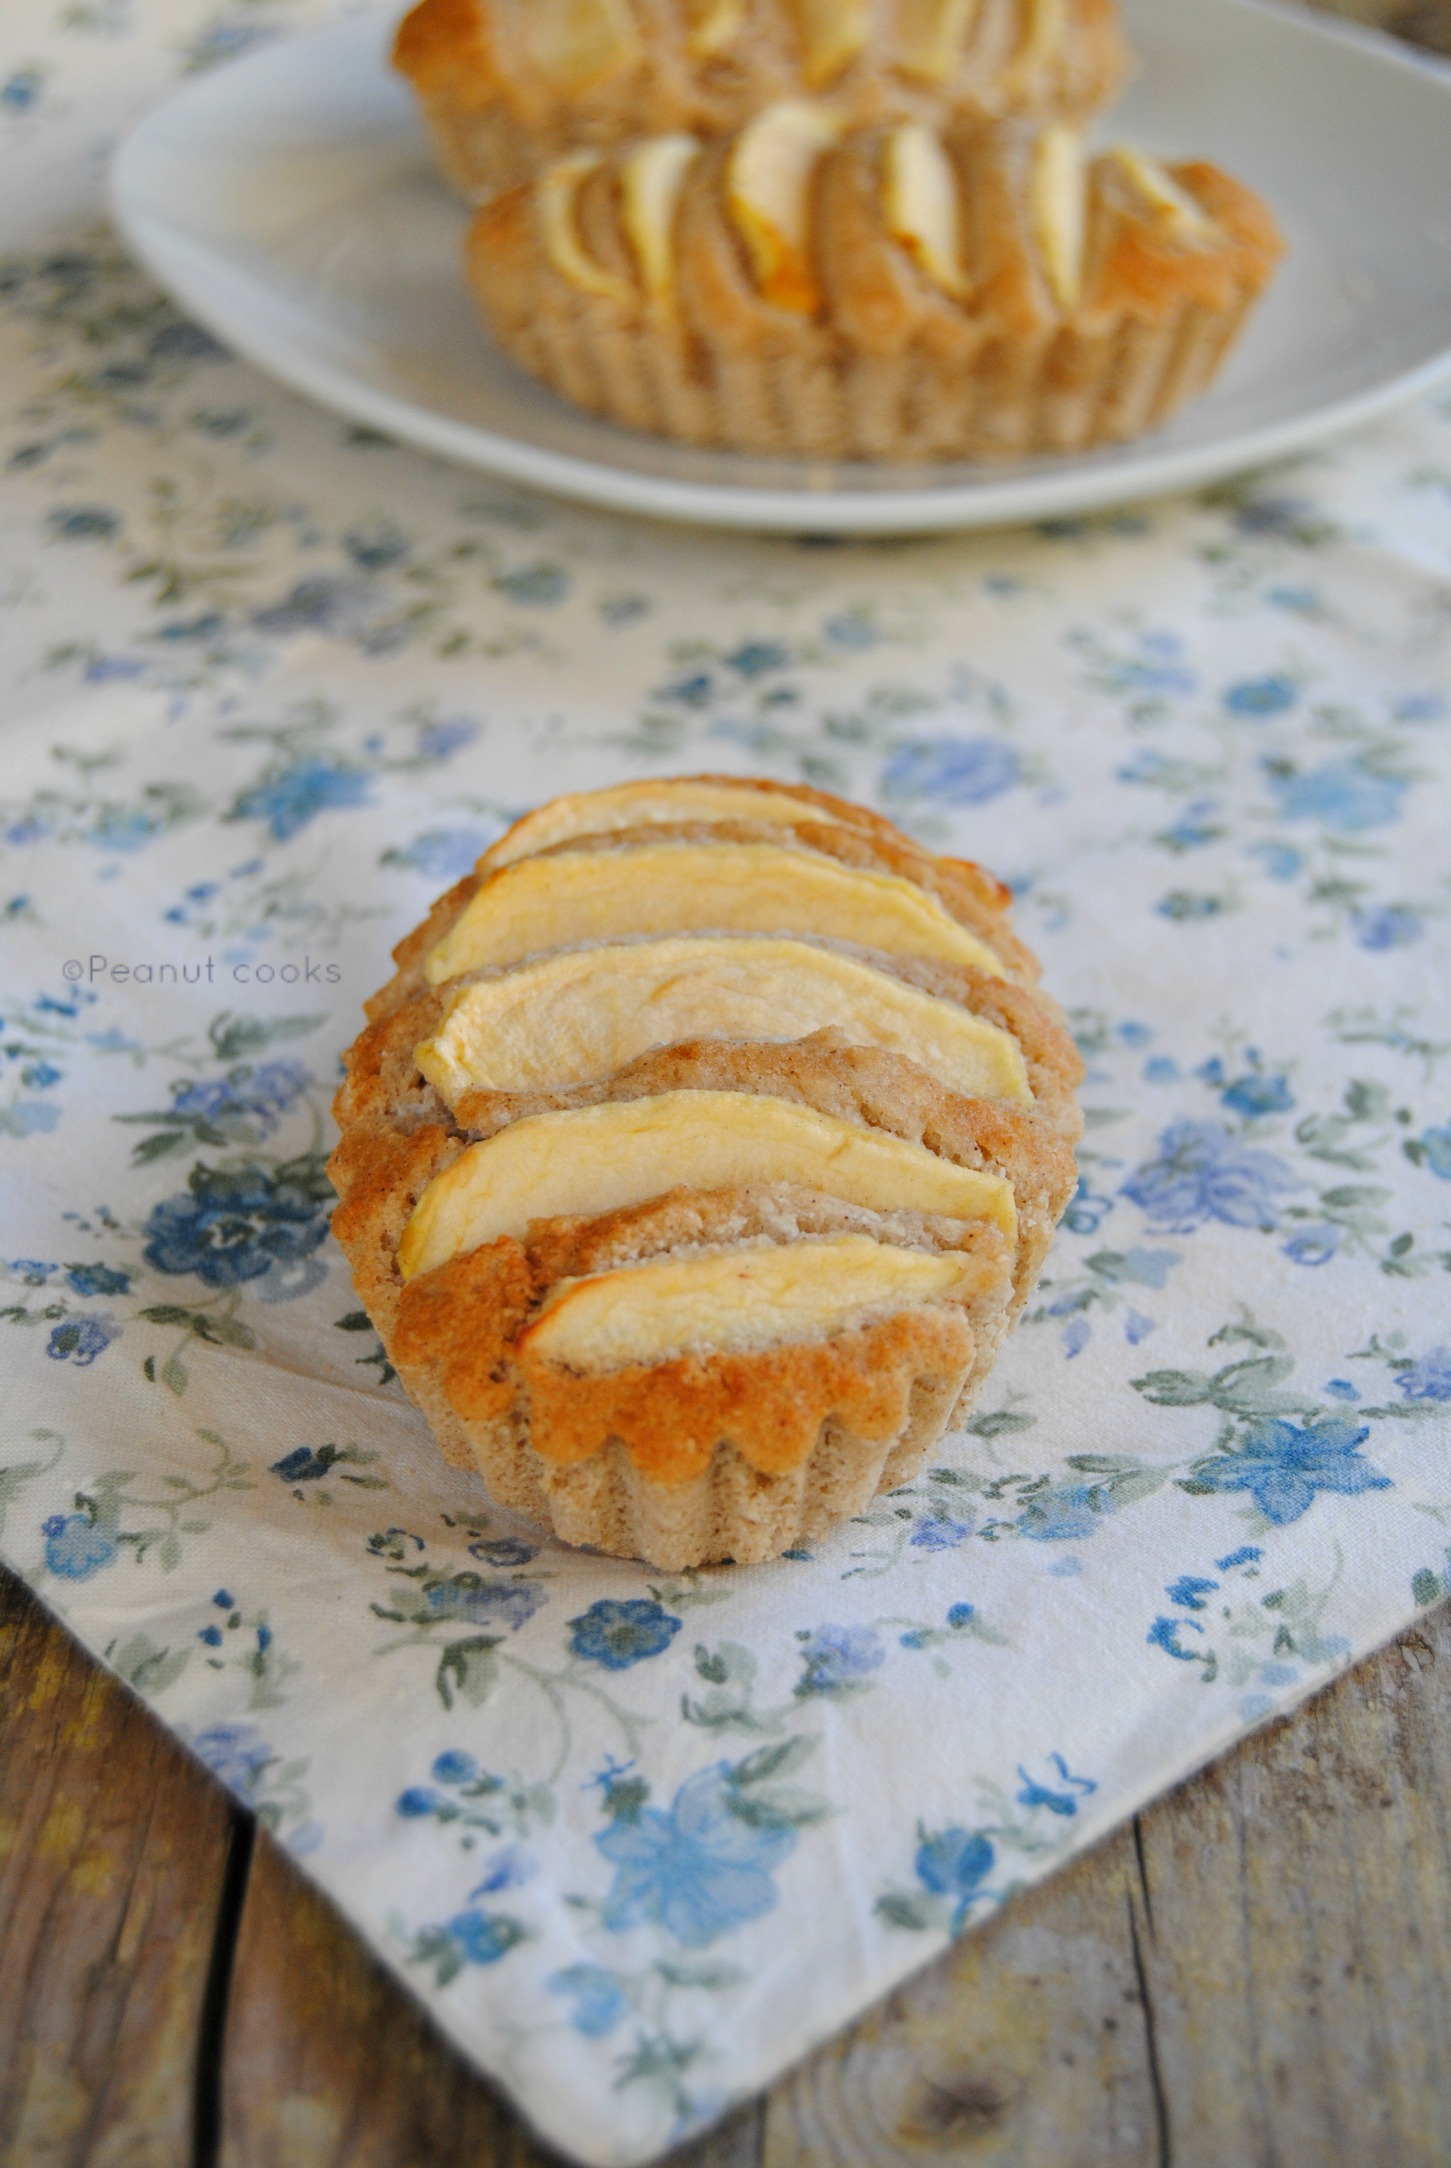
pixel 507 85
pixel 693 1165
pixel 817 291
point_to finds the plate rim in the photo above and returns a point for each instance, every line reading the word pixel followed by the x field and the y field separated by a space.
pixel 1069 488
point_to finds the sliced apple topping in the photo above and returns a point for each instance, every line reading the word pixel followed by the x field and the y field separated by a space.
pixel 1045 26
pixel 1172 204
pixel 768 195
pixel 1060 210
pixel 726 1300
pixel 574 1018
pixel 575 44
pixel 651 179
pixel 558 199
pixel 662 888
pixel 593 1160
pixel 920 199
pixel 933 36
pixel 833 34
pixel 644 805
pixel 714 25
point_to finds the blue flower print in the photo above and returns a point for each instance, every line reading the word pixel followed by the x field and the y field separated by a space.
pixel 538 586
pixel 304 1465
pixel 443 854
pixel 504 1551
pixel 1062 1798
pixel 484 1937
pixel 80 1340
pixel 1345 795
pixel 940 1532
pixel 1315 1244
pixel 1262 696
pixel 617 1635
pixel 1386 926
pixel 237 1754
pixel 446 735
pixel 955 1863
pixel 1064 1514
pixel 454 1767
pixel 757 657
pixel 263 1091
pixel 374 548
pixel 1086 1210
pixel 599 2000
pixel 957 771
pixel 1164 1634
pixel 92 1280
pixel 1433 1151
pixel 235 1224
pixel 289 801
pixel 836 1659
pixel 75 1547
pixel 699 1870
pixel 1258 1094
pixel 1190 1591
pixel 505 1869
pixel 1283 1464
pixel 1204 1173
pixel 468 1597
pixel 22 90
pixel 1428 1379
pixel 1281 861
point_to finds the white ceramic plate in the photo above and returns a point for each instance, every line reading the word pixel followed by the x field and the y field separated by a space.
pixel 289 202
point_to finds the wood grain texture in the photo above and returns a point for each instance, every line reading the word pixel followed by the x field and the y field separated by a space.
pixel 1253 1975
pixel 112 1848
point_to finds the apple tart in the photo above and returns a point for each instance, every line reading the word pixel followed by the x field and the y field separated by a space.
pixel 508 85
pixel 813 289
pixel 697 1158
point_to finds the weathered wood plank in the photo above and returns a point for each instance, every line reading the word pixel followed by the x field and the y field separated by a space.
pixel 1295 1917
pixel 327 2063
pixel 111 1857
pixel 1253 1975
pixel 1025 2047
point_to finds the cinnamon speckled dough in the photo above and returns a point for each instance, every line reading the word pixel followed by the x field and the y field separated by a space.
pixel 1043 302
pixel 506 85
pixel 720 1451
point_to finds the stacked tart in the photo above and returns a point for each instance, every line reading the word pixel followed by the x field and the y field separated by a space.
pixel 844 229
pixel 697 1158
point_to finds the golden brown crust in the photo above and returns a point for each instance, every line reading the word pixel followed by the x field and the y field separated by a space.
pixel 890 365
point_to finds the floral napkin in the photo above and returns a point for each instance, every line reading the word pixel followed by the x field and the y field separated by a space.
pixel 639 1841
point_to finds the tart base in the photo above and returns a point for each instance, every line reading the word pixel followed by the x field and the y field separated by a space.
pixel 731 1512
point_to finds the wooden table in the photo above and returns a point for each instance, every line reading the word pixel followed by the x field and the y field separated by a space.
pixel 1255 1974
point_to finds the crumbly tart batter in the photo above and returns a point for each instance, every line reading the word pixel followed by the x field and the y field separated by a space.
pixel 689 1219
pixel 507 85
pixel 893 292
